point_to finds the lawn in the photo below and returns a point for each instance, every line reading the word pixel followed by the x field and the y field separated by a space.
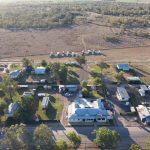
pixel 53 112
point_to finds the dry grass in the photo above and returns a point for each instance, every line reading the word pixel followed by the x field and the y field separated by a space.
pixel 34 42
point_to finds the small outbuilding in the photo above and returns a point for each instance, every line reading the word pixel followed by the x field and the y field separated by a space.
pixel 12 108
pixel 14 74
pixel 40 70
pixel 122 94
pixel 45 102
pixel 68 88
pixel 144 88
pixel 123 67
pixel 134 80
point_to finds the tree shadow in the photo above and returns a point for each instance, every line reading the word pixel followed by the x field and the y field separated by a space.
pixel 74 73
pixel 51 112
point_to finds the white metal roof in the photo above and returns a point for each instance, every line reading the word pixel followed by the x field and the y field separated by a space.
pixel 83 108
pixel 45 102
pixel 122 92
pixel 144 87
pixel 143 111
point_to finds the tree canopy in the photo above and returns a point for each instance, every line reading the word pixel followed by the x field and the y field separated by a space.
pixel 9 87
pixel 80 59
pixel 16 137
pixel 106 139
pixel 43 137
pixel 74 138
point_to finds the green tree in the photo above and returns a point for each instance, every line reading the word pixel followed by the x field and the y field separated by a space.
pixel 63 72
pixel 55 70
pixel 103 66
pixel 44 63
pixel 9 87
pixel 94 74
pixel 26 62
pixel 3 106
pixel 16 137
pixel 106 139
pixel 97 81
pixel 43 137
pixel 134 147
pixel 61 145
pixel 119 76
pixel 84 84
pixel 85 92
pixel 26 111
pixel 74 138
pixel 80 59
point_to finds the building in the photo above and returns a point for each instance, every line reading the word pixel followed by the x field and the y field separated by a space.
pixel 123 67
pixel 14 74
pixel 68 88
pixel 134 80
pixel 12 108
pixel 45 102
pixel 83 110
pixel 40 70
pixel 144 88
pixel 122 94
pixel 144 114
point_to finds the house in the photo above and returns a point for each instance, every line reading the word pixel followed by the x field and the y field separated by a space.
pixel 83 110
pixel 12 108
pixel 40 70
pixel 68 88
pixel 45 102
pixel 14 74
pixel 144 114
pixel 123 67
pixel 122 94
pixel 144 88
pixel 133 80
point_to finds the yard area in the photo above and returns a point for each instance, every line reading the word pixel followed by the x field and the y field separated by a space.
pixel 53 112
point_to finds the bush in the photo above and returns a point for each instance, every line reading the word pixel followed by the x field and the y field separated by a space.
pixel 61 145
pixel 85 92
pixel 74 138
pixel 111 39
pixel 134 147
pixel 44 63
pixel 84 84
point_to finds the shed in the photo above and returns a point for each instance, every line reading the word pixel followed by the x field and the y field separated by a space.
pixel 144 88
pixel 123 67
pixel 68 88
pixel 12 108
pixel 45 102
pixel 14 74
pixel 133 80
pixel 122 94
pixel 40 70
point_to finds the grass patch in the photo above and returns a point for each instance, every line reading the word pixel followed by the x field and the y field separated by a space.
pixel 15 67
pixel 96 69
pixel 94 94
pixel 53 112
